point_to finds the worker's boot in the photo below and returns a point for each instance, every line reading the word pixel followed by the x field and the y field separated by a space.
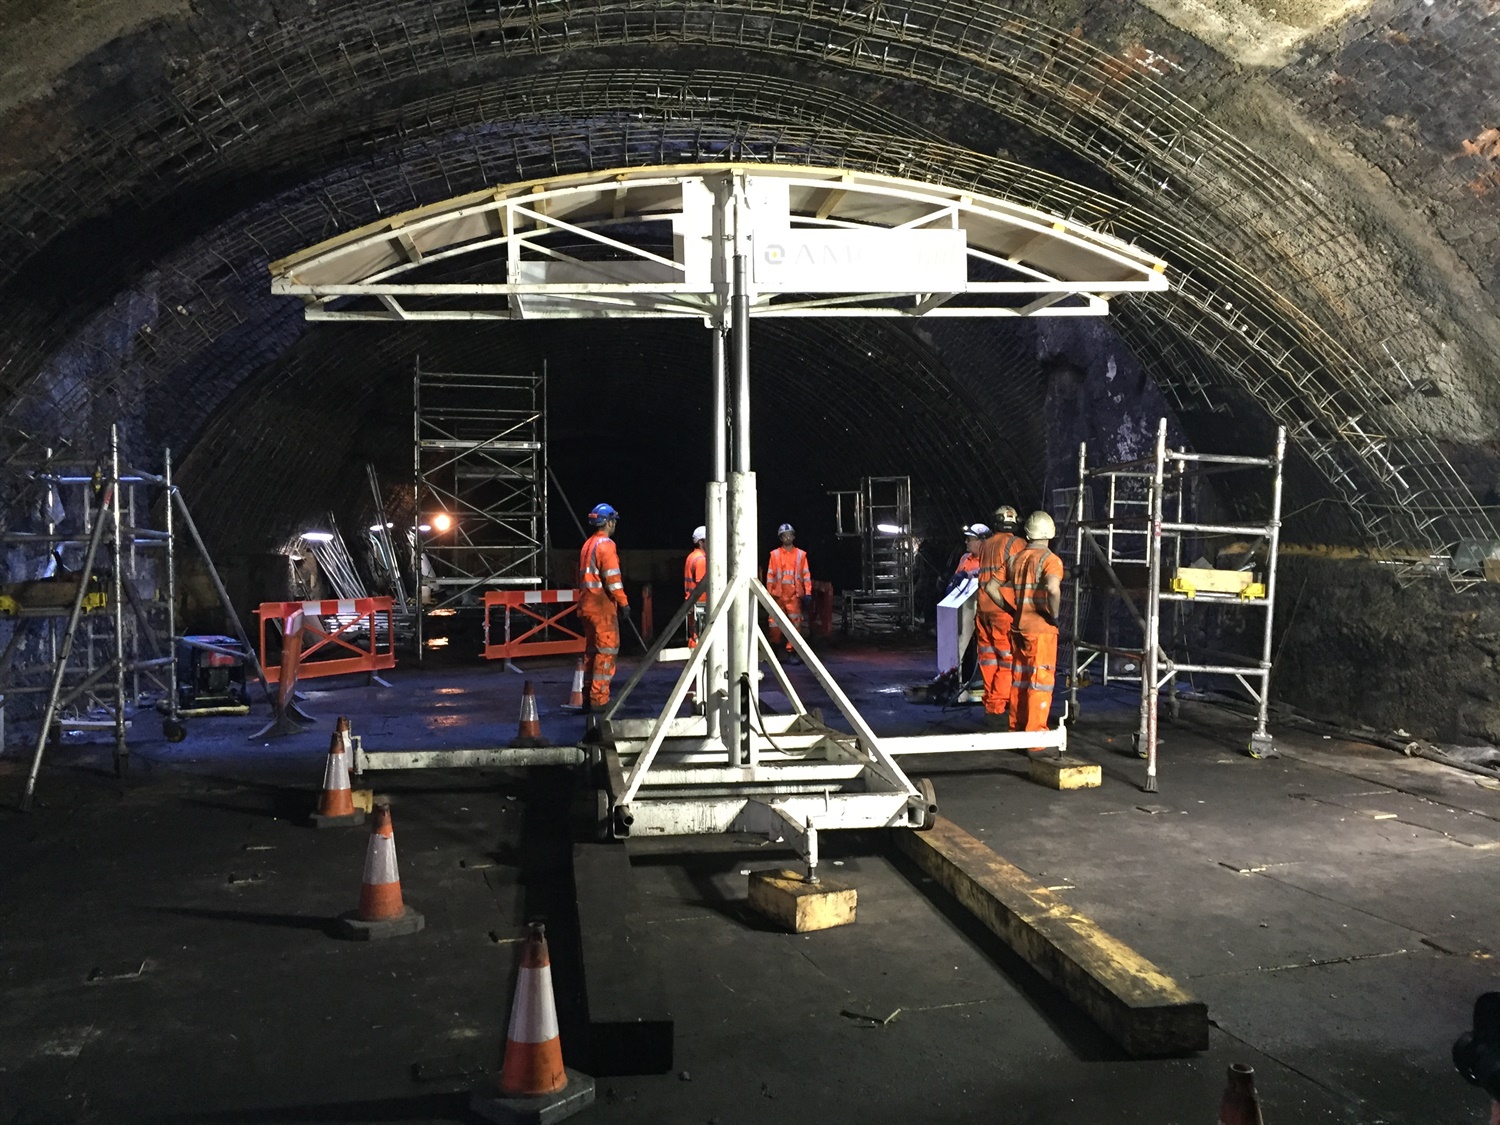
pixel 993 721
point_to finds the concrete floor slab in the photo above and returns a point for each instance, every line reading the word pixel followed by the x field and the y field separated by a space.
pixel 199 908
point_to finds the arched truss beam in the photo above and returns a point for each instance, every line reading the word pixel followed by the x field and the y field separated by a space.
pixel 658 241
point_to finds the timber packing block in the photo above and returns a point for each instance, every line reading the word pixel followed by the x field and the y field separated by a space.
pixel 789 899
pixel 1135 1003
pixel 1065 772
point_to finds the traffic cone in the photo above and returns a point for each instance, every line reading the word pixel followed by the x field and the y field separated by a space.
pixel 381 913
pixel 336 805
pixel 530 732
pixel 1240 1105
pixel 534 1083
pixel 575 700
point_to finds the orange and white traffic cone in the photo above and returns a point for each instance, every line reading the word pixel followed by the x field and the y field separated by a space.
pixel 535 1085
pixel 381 913
pixel 336 805
pixel 530 732
pixel 575 700
pixel 1240 1104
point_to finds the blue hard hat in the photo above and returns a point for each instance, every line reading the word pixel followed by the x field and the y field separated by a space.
pixel 601 514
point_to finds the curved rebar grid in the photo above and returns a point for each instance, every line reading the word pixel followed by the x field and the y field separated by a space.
pixel 1398 485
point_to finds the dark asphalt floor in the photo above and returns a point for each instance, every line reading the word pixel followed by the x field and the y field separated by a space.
pixel 165 949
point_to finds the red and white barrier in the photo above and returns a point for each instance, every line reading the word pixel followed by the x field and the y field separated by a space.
pixel 533 623
pixel 354 644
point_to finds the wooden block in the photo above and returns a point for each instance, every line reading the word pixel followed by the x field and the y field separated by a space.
pixel 1134 1002
pixel 800 906
pixel 1065 772
pixel 364 799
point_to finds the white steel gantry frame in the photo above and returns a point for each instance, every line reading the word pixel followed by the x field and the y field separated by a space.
pixel 724 243
pixel 1133 533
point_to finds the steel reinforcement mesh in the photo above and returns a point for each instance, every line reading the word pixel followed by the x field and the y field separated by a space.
pixel 1258 304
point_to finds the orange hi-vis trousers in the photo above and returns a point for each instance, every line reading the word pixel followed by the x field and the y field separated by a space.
pixel 1034 678
pixel 792 606
pixel 601 644
pixel 992 634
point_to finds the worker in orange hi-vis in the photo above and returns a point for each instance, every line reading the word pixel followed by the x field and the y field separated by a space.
pixel 1036 580
pixel 968 564
pixel 601 604
pixel 693 571
pixel 790 582
pixel 992 614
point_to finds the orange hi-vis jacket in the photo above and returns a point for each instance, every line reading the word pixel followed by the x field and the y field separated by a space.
pixel 599 581
pixel 692 573
pixel 787 574
pixel 967 565
pixel 1029 570
pixel 997 560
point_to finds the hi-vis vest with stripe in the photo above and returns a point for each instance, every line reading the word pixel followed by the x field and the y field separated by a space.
pixel 1028 573
pixel 692 573
pixel 599 570
pixel 996 556
pixel 787 573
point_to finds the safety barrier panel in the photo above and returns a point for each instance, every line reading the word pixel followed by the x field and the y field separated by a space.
pixel 540 614
pixel 337 652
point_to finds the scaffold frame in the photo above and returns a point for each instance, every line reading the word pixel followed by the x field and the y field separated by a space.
pixel 1145 490
pixel 879 515
pixel 108 515
pixel 479 460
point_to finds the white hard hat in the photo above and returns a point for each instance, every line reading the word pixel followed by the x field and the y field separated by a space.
pixel 700 532
pixel 1039 525
pixel 978 530
pixel 784 528
pixel 1005 515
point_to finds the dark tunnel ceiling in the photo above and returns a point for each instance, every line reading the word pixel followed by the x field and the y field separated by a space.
pixel 630 421
pixel 135 262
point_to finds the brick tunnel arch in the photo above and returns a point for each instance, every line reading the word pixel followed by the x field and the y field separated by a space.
pixel 1276 300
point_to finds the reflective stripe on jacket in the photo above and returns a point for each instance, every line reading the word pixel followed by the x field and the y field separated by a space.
pixel 692 573
pixel 599 570
pixel 1029 571
pixel 787 573
pixel 996 556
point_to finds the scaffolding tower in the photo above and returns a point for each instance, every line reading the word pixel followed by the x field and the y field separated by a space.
pixel 480 462
pixel 878 514
pixel 113 616
pixel 1130 523
pixel 108 637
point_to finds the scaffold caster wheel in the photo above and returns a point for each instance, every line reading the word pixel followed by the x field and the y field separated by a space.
pixel 929 798
pixel 1263 746
pixel 173 731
